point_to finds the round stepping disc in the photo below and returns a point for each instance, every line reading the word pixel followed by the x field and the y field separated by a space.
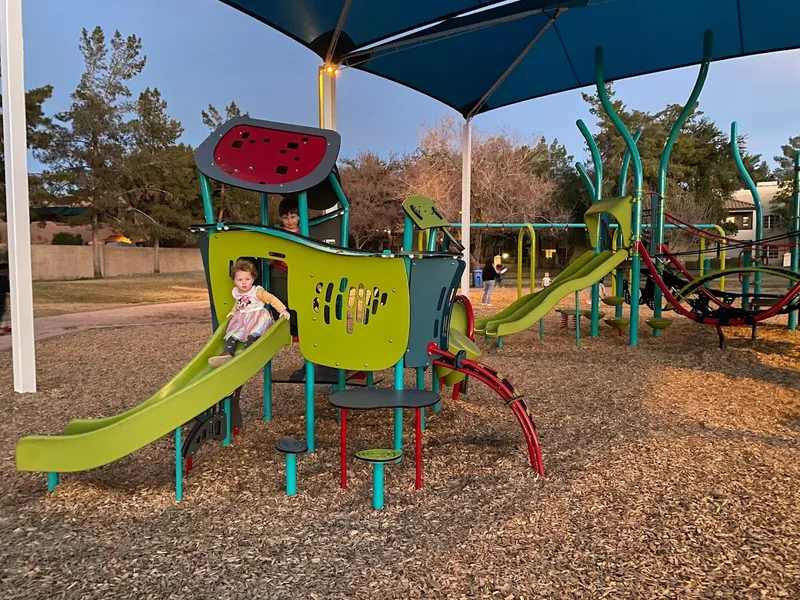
pixel 378 455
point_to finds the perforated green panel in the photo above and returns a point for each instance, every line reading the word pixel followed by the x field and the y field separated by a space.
pixel 352 311
pixel 424 214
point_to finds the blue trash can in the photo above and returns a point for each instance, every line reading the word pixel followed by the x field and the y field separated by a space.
pixel 477 278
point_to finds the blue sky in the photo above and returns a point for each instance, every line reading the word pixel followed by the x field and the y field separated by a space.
pixel 202 51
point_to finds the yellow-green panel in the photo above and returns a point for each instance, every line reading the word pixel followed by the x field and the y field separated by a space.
pixel 619 208
pixel 352 311
pixel 423 213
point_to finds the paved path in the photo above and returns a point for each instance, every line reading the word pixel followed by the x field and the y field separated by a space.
pixel 146 314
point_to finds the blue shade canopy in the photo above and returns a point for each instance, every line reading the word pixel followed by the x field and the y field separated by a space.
pixel 511 52
pixel 313 22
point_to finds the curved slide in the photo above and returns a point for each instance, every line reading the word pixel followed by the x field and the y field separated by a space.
pixel 579 263
pixel 591 268
pixel 87 444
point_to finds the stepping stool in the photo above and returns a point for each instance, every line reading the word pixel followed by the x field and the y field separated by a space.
pixel 378 457
pixel 618 323
pixel 291 448
pixel 658 323
pixel 612 300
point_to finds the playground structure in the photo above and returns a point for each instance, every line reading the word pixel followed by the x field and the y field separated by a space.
pixel 367 311
pixel 625 243
pixel 356 311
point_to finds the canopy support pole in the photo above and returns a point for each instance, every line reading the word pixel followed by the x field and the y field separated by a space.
pixel 485 98
pixel 466 186
pixel 17 207
pixel 327 96
pixel 337 32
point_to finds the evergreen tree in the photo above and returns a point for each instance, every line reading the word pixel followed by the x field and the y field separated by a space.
pixel 161 184
pixel 90 143
pixel 785 176
pixel 38 137
pixel 233 204
pixel 701 163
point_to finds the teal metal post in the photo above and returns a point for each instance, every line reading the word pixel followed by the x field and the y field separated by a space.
pixel 795 227
pixel 208 202
pixel 337 189
pixel 658 230
pixel 52 481
pixel 291 474
pixel 341 383
pixel 265 284
pixel 435 387
pixel 226 406
pixel 309 390
pixel 370 379
pixel 636 233
pixel 398 412
pixel 268 391
pixel 265 222
pixel 737 156
pixel 623 187
pixel 302 212
pixel 597 195
pixel 408 244
pixel 541 329
pixel 421 386
pixel 707 269
pixel 178 466
pixel 747 260
pixel 377 485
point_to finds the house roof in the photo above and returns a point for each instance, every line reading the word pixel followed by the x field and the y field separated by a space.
pixel 734 205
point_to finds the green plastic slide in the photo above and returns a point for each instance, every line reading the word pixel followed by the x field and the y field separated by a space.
pixel 546 300
pixel 520 303
pixel 87 444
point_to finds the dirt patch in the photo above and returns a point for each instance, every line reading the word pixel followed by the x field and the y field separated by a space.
pixel 672 469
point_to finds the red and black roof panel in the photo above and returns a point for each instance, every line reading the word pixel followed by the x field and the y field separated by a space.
pixel 264 156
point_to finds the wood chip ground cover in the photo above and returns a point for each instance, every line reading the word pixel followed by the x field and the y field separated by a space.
pixel 672 473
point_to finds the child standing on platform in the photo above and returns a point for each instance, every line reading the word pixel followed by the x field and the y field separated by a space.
pixel 250 317
pixel 546 280
pixel 289 212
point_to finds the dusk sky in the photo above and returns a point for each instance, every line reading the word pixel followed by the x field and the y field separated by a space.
pixel 202 51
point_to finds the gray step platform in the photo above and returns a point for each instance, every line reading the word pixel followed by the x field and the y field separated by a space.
pixel 372 398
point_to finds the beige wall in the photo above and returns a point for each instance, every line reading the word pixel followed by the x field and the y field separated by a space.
pixel 73 262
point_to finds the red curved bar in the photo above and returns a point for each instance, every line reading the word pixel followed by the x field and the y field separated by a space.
pixel 761 316
pixel 470 315
pixel 503 388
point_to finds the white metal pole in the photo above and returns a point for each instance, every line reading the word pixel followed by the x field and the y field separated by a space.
pixel 466 185
pixel 327 97
pixel 17 209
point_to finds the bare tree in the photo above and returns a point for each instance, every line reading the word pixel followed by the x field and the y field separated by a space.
pixel 371 185
pixel 682 204
pixel 505 188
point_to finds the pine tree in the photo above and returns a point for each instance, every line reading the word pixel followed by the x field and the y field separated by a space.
pixel 38 137
pixel 234 205
pixel 161 198
pixel 90 142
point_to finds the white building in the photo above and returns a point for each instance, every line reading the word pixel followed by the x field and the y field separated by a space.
pixel 740 210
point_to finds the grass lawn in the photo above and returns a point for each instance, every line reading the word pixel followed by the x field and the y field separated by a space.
pixel 62 297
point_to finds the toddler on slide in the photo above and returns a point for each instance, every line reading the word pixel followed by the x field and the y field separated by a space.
pixel 250 317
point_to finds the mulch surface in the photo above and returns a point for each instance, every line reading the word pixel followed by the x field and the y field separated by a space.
pixel 672 471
